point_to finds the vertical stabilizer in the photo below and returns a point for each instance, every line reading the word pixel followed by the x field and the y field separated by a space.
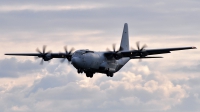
pixel 125 39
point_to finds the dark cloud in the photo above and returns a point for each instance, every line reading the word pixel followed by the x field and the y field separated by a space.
pixel 187 69
pixel 188 104
pixel 144 18
pixel 11 67
pixel 55 81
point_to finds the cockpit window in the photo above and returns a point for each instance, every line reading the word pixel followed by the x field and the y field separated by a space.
pixel 81 52
pixel 77 53
pixel 89 51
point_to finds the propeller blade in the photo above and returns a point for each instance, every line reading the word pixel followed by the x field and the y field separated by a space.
pixel 143 47
pixel 38 51
pixel 138 45
pixel 41 62
pixel 113 46
pixel 44 48
pixel 48 52
pixel 71 50
pixel 66 51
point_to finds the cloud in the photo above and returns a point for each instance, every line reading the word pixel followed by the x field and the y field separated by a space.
pixel 21 108
pixel 60 87
pixel 36 8
pixel 186 69
pixel 169 84
pixel 13 68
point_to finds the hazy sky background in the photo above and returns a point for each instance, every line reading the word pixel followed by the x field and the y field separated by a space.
pixel 171 84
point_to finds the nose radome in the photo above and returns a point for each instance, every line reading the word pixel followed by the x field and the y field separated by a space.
pixel 76 62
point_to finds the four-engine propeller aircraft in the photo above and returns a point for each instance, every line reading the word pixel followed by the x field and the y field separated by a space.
pixel 107 62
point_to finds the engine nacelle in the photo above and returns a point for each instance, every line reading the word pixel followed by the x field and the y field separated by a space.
pixel 117 56
pixel 47 57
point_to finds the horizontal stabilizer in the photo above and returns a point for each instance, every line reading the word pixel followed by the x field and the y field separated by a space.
pixel 144 57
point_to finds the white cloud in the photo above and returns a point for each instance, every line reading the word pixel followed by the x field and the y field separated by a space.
pixel 62 88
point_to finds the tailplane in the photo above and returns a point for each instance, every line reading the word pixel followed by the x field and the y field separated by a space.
pixel 124 46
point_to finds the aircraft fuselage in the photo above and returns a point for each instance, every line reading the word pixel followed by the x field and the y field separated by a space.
pixel 90 61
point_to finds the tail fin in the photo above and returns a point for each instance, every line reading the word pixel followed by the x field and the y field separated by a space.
pixel 125 39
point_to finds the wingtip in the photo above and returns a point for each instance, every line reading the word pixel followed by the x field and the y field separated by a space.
pixel 194 47
pixel 7 54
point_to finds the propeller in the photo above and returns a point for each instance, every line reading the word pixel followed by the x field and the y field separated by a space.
pixel 138 46
pixel 114 51
pixel 68 54
pixel 43 54
pixel 140 50
pixel 114 48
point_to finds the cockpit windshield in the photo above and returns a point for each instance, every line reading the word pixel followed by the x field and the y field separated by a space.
pixel 81 52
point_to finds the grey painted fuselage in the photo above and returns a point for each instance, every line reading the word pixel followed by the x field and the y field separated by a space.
pixel 96 62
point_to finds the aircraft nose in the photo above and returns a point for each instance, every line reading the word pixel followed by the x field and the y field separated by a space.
pixel 76 62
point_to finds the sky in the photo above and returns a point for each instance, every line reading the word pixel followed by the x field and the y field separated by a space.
pixel 171 84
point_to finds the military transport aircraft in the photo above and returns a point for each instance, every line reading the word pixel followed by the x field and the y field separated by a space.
pixel 107 62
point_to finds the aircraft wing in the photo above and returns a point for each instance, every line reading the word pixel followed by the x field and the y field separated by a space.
pixel 135 53
pixel 24 54
pixel 45 56
pixel 52 55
